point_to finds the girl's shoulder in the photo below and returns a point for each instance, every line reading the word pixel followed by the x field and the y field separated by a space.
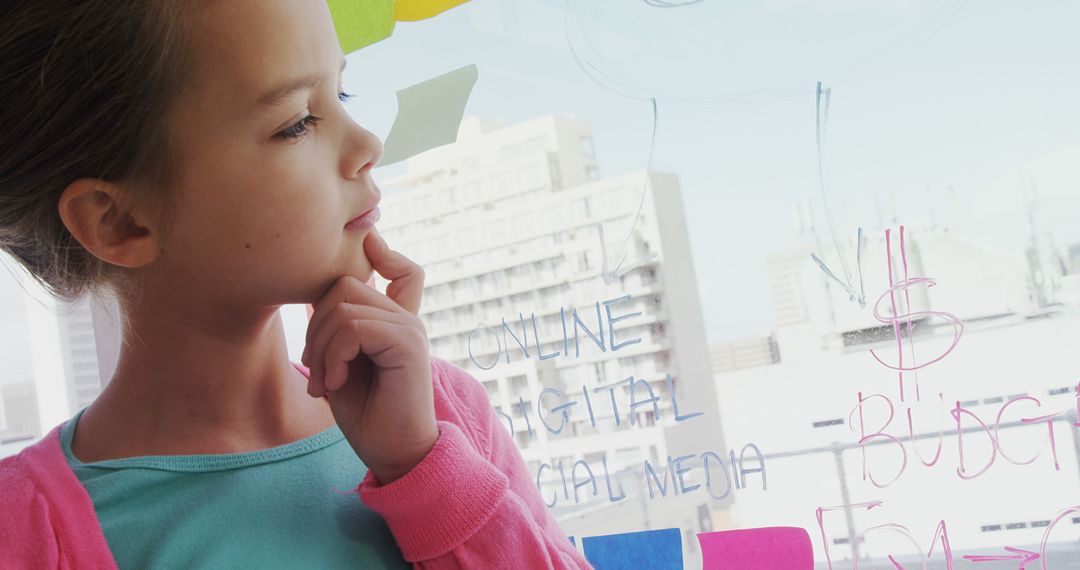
pixel 15 482
pixel 26 531
pixel 48 518
pixel 19 472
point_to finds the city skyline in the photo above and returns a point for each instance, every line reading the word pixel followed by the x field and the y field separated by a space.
pixel 819 332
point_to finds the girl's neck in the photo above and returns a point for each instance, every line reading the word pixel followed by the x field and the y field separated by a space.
pixel 107 431
pixel 188 393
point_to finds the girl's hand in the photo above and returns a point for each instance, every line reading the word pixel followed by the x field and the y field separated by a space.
pixel 368 354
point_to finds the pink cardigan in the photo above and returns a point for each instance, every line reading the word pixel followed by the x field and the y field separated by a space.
pixel 469 504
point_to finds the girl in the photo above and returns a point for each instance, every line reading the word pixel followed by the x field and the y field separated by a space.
pixel 193 158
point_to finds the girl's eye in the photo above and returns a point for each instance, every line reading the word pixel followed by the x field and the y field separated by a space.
pixel 299 129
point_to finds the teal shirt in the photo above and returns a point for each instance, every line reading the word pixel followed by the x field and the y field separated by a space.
pixel 284 507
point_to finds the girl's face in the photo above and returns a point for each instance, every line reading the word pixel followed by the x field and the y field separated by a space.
pixel 266 186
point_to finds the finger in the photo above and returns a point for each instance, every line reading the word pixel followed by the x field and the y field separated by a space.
pixel 304 357
pixel 347 289
pixel 360 374
pixel 313 389
pixel 369 337
pixel 406 277
pixel 341 317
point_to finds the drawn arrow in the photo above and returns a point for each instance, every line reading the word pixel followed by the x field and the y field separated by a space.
pixel 580 48
pixel 1024 556
pixel 821 128
pixel 612 275
pixel 853 295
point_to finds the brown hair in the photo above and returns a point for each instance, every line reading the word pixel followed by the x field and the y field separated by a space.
pixel 85 87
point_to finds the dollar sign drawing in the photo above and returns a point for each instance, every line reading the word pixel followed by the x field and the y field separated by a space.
pixel 896 318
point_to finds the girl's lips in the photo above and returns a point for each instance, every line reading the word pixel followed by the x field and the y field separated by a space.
pixel 365 221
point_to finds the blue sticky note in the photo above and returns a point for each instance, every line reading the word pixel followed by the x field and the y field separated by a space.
pixel 650 549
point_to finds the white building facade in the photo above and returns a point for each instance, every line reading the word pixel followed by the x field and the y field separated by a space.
pixel 507 223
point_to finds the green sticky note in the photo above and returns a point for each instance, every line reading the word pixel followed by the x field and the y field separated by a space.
pixel 361 23
pixel 429 114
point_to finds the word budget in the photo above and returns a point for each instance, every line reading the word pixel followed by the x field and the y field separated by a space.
pixel 1024 410
pixel 977 428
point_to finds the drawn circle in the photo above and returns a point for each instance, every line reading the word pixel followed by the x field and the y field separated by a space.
pixel 715 49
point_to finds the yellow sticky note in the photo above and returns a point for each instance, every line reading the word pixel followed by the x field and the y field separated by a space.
pixel 413 10
pixel 360 23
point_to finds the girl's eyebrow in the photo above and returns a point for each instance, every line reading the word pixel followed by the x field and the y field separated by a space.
pixel 278 94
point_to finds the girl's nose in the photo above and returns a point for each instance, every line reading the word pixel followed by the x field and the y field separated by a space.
pixel 362 151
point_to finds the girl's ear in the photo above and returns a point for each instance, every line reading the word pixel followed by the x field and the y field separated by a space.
pixel 89 210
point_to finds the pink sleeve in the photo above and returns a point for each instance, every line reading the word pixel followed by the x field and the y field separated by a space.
pixel 471 502
pixel 27 537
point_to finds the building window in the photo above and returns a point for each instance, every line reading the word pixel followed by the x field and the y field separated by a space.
pixel 532 176
pixel 588 148
pixel 492 387
pixel 556 174
pixel 449 196
pixel 583 261
pixel 581 210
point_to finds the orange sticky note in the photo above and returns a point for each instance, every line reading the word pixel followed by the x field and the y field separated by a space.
pixel 413 10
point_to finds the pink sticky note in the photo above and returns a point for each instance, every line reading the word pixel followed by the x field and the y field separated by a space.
pixel 769 548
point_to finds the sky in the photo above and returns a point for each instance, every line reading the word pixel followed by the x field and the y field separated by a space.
pixel 939 108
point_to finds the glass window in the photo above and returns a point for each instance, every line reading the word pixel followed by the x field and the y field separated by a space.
pixel 854 281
